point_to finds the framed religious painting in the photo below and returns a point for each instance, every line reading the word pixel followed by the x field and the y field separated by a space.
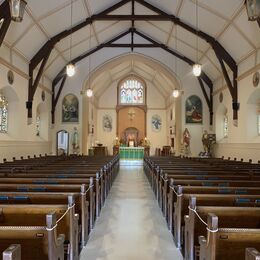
pixel 193 110
pixel 156 123
pixel 70 109
pixel 107 123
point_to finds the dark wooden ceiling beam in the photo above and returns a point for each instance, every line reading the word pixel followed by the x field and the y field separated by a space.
pixel 160 16
pixel 6 15
pixel 208 98
pixel 153 44
pixel 55 97
pixel 61 76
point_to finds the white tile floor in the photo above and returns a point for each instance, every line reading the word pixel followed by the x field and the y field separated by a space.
pixel 131 226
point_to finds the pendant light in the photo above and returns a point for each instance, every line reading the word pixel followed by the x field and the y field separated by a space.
pixel 176 92
pixel 196 68
pixel 253 9
pixel 17 8
pixel 89 91
pixel 70 68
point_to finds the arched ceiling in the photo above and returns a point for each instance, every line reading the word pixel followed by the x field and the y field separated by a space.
pixel 140 65
pixel 224 20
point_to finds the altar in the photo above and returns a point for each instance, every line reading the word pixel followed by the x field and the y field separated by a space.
pixel 131 153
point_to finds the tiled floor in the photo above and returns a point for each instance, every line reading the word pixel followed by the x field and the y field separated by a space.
pixel 131 226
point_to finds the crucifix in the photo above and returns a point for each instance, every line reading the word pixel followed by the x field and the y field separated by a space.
pixel 131 114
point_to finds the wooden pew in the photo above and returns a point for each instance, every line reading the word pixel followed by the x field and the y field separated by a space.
pixel 40 242
pixel 13 252
pixel 174 192
pixel 182 203
pixel 38 198
pixel 227 243
pixel 229 217
pixel 34 215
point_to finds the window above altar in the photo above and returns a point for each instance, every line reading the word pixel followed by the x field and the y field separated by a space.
pixel 131 92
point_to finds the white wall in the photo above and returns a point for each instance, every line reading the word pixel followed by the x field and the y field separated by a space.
pixel 243 140
pixel 106 138
pixel 21 139
pixel 190 87
pixel 72 86
pixel 157 139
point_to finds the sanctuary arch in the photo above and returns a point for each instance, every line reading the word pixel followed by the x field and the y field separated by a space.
pixel 129 120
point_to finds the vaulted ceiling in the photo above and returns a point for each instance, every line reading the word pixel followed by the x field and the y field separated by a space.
pixel 132 64
pixel 224 20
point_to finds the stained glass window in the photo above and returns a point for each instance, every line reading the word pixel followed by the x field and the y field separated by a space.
pixel 131 92
pixel 3 114
pixel 258 120
pixel 38 124
pixel 225 127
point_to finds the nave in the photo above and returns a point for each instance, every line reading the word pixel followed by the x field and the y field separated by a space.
pixel 131 225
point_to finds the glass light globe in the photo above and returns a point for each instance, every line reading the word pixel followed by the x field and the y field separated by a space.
pixel 175 93
pixel 253 9
pixel 89 92
pixel 196 69
pixel 17 8
pixel 70 70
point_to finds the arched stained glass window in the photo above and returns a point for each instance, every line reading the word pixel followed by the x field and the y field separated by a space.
pixel 3 114
pixel 225 126
pixel 131 92
pixel 38 124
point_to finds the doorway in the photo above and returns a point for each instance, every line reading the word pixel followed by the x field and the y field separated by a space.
pixel 62 143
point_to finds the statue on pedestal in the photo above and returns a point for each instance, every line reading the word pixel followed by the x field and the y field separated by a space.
pixel 186 142
pixel 205 141
pixel 75 141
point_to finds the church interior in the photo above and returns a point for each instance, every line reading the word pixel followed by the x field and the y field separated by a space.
pixel 129 129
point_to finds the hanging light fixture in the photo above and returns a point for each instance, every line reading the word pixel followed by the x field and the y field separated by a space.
pixel 89 91
pixel 253 9
pixel 176 93
pixel 17 8
pixel 196 68
pixel 70 68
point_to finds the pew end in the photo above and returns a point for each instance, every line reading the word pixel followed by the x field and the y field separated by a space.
pixel 13 252
pixel 208 245
pixel 55 244
pixel 252 254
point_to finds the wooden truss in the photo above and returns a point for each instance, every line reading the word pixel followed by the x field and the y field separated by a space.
pixel 225 59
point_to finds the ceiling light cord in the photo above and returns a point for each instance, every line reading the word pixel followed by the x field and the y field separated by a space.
pixel 197 38
pixel 71 12
pixel 196 68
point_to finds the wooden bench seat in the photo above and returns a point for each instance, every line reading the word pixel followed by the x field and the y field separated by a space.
pixel 229 217
pixel 174 192
pixel 181 207
pixel 227 243
pixel 50 198
pixel 27 226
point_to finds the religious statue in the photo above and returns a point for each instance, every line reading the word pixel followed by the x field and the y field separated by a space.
pixel 116 142
pixel 75 140
pixel 186 141
pixel 205 141
pixel 146 142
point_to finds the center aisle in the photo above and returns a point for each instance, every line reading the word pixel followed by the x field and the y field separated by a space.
pixel 131 225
